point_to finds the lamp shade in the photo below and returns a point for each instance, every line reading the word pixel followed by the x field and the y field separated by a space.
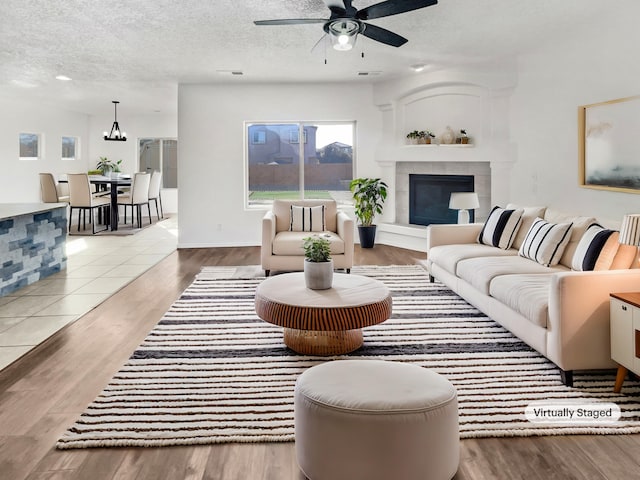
pixel 464 201
pixel 630 230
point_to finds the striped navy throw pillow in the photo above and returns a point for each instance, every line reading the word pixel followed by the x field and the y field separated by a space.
pixel 307 219
pixel 589 247
pixel 501 227
pixel 545 242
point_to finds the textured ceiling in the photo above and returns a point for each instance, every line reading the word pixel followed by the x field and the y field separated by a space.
pixel 137 51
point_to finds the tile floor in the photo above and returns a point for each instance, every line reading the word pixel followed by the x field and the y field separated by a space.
pixel 97 266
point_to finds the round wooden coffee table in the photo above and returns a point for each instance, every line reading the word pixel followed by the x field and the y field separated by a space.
pixel 323 322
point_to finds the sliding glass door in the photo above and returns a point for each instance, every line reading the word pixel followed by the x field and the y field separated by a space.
pixel 160 154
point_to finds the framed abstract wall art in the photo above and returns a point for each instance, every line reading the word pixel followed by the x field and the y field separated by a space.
pixel 609 145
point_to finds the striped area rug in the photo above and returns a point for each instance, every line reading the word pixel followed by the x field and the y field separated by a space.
pixel 211 371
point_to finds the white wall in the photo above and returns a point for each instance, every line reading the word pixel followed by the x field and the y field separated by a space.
pixel 19 180
pixel 211 180
pixel 136 126
pixel 597 65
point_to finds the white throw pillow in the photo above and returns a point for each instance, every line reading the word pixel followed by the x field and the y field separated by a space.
pixel 545 242
pixel 307 219
pixel 589 248
pixel 501 227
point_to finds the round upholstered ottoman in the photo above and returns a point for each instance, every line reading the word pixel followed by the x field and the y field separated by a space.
pixel 375 420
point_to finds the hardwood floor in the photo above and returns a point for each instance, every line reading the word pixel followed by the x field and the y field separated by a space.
pixel 45 391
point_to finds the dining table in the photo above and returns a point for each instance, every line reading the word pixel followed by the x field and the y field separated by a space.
pixel 113 182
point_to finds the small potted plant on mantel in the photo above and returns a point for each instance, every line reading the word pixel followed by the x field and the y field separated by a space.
pixel 425 136
pixel 412 137
pixel 318 264
pixel 369 195
pixel 463 138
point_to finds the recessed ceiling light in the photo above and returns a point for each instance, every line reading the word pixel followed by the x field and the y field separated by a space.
pixel 64 78
pixel 418 67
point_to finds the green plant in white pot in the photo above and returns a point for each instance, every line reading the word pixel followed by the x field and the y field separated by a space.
pixel 318 265
pixel 369 195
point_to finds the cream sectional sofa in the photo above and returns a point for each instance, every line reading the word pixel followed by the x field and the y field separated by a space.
pixel 563 314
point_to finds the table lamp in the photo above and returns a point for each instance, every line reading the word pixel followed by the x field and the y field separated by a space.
pixel 463 202
pixel 630 232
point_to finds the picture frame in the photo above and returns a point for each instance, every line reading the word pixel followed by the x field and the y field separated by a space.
pixel 608 149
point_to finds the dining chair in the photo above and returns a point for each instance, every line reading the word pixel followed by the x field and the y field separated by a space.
pixel 50 191
pixel 137 196
pixel 154 191
pixel 81 198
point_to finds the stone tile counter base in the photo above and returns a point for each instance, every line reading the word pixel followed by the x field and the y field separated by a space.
pixel 32 245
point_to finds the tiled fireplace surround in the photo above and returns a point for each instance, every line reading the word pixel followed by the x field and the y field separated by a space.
pixel 480 170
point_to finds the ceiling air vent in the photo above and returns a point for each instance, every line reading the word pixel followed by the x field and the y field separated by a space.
pixel 369 74
pixel 230 72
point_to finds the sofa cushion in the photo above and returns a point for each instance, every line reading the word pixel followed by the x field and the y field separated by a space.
pixel 526 294
pixel 307 219
pixel 591 246
pixel 479 272
pixel 529 215
pixel 624 257
pixel 545 242
pixel 448 256
pixel 579 226
pixel 501 227
pixel 290 243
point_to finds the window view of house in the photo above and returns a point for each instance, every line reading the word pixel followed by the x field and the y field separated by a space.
pixel 280 166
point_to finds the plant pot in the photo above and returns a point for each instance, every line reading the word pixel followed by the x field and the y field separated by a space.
pixel 367 236
pixel 318 275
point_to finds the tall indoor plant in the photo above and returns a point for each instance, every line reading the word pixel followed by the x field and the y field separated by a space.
pixel 318 264
pixel 369 195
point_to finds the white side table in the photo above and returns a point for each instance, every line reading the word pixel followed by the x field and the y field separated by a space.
pixel 625 334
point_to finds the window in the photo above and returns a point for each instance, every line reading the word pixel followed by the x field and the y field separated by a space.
pixel 69 148
pixel 160 154
pixel 29 146
pixel 294 136
pixel 259 137
pixel 283 167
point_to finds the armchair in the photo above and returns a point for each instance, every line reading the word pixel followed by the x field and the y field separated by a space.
pixel 282 247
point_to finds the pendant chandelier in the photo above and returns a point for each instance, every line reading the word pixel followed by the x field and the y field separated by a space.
pixel 116 134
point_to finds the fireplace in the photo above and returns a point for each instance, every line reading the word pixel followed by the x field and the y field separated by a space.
pixel 479 171
pixel 429 197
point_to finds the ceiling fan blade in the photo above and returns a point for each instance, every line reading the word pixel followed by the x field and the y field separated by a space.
pixel 392 7
pixel 290 21
pixel 383 35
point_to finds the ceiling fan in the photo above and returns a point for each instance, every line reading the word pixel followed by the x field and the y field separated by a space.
pixel 346 22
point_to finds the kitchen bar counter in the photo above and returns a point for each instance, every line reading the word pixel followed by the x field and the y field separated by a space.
pixel 32 243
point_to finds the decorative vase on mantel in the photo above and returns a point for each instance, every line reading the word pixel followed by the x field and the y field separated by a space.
pixel 318 275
